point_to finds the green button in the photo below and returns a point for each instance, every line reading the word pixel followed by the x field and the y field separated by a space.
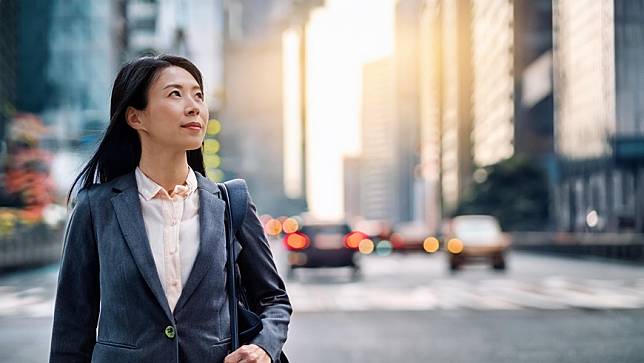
pixel 169 331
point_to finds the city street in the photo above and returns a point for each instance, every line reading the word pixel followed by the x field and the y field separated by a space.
pixel 344 128
pixel 409 308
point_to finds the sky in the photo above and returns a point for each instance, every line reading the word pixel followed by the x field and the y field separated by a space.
pixel 342 37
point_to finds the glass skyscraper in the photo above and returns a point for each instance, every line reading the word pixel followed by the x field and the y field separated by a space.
pixel 599 114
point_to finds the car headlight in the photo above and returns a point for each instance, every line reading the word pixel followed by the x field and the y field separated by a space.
pixel 455 246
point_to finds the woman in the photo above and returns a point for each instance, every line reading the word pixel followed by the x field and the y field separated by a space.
pixel 144 255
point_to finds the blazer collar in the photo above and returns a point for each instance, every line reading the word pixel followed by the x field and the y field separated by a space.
pixel 128 180
pixel 212 245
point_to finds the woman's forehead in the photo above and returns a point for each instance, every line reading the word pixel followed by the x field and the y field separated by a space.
pixel 174 76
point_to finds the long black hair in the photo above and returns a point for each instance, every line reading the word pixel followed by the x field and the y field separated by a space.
pixel 119 151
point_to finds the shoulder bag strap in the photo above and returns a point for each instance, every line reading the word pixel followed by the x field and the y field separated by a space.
pixel 234 219
pixel 230 286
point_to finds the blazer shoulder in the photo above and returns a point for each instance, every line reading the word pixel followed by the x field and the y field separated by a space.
pixel 80 200
pixel 92 192
pixel 118 184
pixel 97 193
pixel 238 183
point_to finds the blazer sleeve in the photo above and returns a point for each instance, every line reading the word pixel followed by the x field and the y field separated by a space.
pixel 264 287
pixel 78 294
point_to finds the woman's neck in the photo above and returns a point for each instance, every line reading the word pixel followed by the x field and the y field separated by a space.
pixel 164 167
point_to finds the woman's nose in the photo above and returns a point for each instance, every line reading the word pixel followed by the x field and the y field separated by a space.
pixel 192 108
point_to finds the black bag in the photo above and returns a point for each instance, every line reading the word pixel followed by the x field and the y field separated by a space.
pixel 244 323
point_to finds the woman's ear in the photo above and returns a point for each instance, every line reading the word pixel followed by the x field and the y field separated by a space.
pixel 133 118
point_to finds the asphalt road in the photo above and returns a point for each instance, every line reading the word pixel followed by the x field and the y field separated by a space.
pixel 409 308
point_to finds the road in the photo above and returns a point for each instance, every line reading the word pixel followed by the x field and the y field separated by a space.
pixel 409 308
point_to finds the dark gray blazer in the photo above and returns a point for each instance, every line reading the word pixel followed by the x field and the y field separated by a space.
pixel 108 276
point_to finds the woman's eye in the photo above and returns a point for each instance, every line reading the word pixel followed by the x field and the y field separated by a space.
pixel 200 95
pixel 175 92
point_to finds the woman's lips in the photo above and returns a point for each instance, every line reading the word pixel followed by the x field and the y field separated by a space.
pixel 192 126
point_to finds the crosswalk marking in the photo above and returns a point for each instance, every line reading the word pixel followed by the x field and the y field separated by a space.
pixel 19 304
pixel 479 295
pixel 400 284
pixel 548 294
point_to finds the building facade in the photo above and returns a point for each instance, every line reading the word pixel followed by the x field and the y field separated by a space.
pixel 599 108
pixel 430 112
pixel 493 81
pixel 391 187
pixel 8 58
pixel 83 54
pixel 378 163
pixel 252 112
pixel 533 91
pixel 456 102
pixel 408 190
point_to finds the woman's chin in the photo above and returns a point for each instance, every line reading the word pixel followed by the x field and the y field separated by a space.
pixel 193 146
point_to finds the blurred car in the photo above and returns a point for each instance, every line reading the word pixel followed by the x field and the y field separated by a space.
pixel 475 239
pixel 375 229
pixel 323 244
pixel 410 236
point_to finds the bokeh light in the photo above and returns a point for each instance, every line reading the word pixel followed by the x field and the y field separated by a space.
pixel 352 240
pixel 455 246
pixel 431 244
pixel 384 248
pixel 366 246
pixel 592 219
pixel 290 225
pixel 214 127
pixel 273 227
pixel 296 241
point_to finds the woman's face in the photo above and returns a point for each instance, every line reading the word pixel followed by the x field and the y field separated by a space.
pixel 176 116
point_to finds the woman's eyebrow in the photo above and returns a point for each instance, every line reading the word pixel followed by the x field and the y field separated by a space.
pixel 176 85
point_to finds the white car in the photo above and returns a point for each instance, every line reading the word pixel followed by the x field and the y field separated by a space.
pixel 475 238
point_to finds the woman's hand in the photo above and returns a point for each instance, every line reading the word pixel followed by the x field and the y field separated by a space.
pixel 248 354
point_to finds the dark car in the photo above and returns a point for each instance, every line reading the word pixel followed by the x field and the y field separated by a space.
pixel 316 245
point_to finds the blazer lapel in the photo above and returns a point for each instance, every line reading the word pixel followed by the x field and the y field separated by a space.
pixel 212 237
pixel 130 217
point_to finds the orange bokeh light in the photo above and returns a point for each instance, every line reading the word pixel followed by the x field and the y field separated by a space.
pixel 455 246
pixel 352 240
pixel 290 225
pixel 431 244
pixel 273 227
pixel 297 241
